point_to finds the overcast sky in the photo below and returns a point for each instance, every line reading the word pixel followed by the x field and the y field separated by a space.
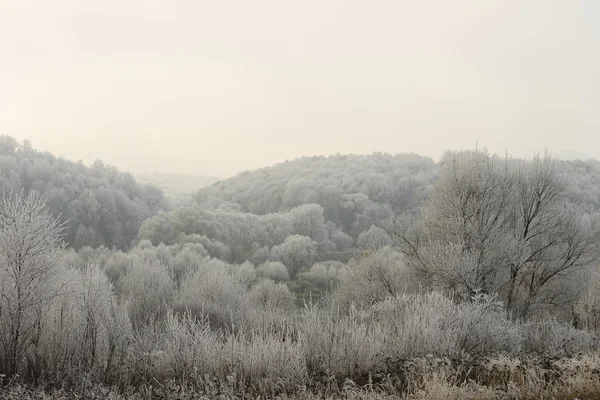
pixel 216 87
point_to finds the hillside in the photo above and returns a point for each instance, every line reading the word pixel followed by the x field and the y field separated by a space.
pixel 102 205
pixel 355 191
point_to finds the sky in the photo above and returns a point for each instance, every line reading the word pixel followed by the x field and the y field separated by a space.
pixel 217 87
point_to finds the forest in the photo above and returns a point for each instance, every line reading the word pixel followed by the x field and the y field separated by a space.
pixel 357 276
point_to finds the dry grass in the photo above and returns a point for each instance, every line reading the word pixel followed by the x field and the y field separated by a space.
pixel 346 347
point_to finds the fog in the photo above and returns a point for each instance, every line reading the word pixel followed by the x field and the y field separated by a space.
pixel 214 88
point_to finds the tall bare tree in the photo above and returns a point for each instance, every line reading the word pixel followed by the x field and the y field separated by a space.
pixel 30 246
pixel 504 227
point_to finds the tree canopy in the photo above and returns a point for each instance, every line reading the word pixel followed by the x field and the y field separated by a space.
pixel 103 206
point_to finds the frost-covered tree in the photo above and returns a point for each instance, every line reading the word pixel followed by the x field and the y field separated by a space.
pixel 374 238
pixel 273 270
pixel 373 277
pixel 271 296
pixel 387 184
pixel 30 246
pixel 245 273
pixel 502 227
pixel 296 252
pixel 102 205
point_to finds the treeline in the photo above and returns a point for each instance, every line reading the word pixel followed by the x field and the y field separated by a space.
pixel 316 208
pixel 354 191
pixel 338 205
pixel 237 237
pixel 103 206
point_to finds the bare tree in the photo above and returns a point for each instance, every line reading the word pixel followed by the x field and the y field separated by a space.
pixel 30 246
pixel 501 227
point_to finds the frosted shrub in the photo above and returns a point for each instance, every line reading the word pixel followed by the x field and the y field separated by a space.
pixel 374 238
pixel 484 328
pixel 58 343
pixel 270 296
pixel 71 259
pixel 84 330
pixel 245 273
pixel 190 349
pixel 421 324
pixel 418 325
pixel 346 347
pixel 148 289
pixel 554 338
pixel 30 250
pixel 269 364
pixel 274 270
pixel 372 278
pixel 587 309
pixel 116 266
pixel 189 258
pixel 89 256
pixel 212 291
pixel 321 276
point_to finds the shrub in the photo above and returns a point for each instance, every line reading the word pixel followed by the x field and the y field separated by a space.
pixel 191 352
pixel 420 324
pixel 270 296
pixel 84 331
pixel 189 258
pixel 554 338
pixel 30 250
pixel 268 364
pixel 372 278
pixel 484 329
pixel 148 289
pixel 245 273
pixel 274 270
pixel 345 347
pixel 214 292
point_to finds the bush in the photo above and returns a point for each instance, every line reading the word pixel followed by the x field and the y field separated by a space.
pixel 189 258
pixel 268 364
pixel 148 290
pixel 554 338
pixel 190 351
pixel 421 324
pixel 345 347
pixel 84 331
pixel 274 270
pixel 372 278
pixel 418 325
pixel 270 296
pixel 245 273
pixel 214 292
pixel 484 329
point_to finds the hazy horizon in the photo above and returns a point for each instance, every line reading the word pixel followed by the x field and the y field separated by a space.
pixel 216 88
